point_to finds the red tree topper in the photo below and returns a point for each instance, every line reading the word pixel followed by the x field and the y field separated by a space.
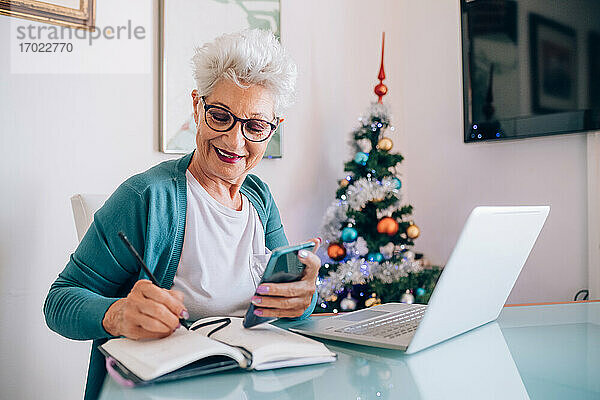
pixel 381 89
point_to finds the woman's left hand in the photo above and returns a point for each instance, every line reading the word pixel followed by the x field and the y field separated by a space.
pixel 293 298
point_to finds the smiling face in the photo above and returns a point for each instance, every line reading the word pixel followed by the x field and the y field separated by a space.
pixel 228 156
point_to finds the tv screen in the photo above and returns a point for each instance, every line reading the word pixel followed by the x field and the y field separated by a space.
pixel 530 68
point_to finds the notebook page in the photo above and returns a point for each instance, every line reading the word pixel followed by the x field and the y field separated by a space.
pixel 268 343
pixel 294 362
pixel 149 359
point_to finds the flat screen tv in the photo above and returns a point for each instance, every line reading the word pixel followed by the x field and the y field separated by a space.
pixel 530 68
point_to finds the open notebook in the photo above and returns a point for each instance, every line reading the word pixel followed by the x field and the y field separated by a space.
pixel 192 352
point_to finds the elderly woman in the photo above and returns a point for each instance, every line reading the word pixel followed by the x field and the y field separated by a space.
pixel 196 221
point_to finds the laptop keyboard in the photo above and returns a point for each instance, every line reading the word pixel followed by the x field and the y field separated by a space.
pixel 389 327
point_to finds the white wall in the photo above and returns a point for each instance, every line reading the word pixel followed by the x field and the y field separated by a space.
pixel 63 134
pixel 60 134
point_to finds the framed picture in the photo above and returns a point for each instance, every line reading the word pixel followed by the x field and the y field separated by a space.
pixel 185 25
pixel 553 48
pixel 594 68
pixel 72 13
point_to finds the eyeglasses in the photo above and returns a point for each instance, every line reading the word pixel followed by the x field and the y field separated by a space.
pixel 221 120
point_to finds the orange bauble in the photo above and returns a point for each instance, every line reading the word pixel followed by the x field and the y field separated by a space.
pixel 336 251
pixel 388 226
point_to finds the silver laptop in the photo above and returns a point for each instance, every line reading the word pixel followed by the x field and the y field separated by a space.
pixel 471 291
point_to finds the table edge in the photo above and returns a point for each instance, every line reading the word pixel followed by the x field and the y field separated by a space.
pixel 550 303
pixel 506 305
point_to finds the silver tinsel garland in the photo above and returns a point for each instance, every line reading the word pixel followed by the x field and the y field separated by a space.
pixel 376 110
pixel 358 194
pixel 363 190
pixel 360 272
pixel 332 221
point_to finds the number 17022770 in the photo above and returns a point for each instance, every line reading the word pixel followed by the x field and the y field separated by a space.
pixel 48 47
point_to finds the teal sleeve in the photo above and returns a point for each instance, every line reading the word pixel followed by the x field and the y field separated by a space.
pixel 99 269
pixel 274 233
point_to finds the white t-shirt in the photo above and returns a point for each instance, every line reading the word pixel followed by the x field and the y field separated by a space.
pixel 216 272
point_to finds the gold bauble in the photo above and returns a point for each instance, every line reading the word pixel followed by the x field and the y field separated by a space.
pixel 385 144
pixel 413 231
pixel 372 301
pixel 344 183
pixel 333 297
pixel 387 225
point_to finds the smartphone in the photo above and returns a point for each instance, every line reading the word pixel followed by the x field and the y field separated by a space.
pixel 283 266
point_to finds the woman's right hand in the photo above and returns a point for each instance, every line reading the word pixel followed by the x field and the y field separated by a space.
pixel 147 312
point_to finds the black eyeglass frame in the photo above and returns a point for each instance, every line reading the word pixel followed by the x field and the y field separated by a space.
pixel 242 121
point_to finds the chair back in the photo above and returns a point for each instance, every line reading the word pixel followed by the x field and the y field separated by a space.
pixel 84 206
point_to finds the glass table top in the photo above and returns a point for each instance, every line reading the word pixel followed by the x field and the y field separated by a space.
pixel 530 352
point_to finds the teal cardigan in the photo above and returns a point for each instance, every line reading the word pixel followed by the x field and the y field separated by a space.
pixel 150 208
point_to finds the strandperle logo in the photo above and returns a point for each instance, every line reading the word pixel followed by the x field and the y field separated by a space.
pixel 62 33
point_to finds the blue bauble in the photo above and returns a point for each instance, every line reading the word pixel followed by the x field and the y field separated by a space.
pixel 361 158
pixel 378 257
pixel 349 234
pixel 420 291
pixel 397 183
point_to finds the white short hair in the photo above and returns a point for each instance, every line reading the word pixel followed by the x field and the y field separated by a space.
pixel 249 57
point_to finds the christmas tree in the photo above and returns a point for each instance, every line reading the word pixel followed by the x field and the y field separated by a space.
pixel 368 231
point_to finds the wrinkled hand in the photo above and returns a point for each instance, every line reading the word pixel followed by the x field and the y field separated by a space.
pixel 293 298
pixel 148 312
